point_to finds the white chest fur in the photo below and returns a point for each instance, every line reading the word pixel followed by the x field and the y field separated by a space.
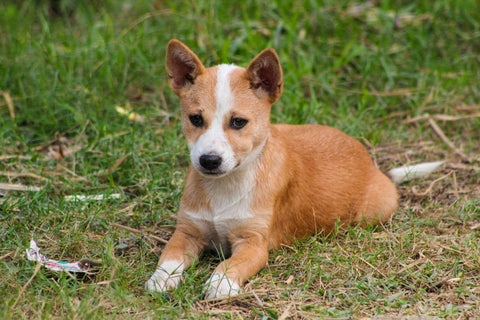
pixel 230 201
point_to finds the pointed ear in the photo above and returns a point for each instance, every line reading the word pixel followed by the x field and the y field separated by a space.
pixel 265 75
pixel 183 66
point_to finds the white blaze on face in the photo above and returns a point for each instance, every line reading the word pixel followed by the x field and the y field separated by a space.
pixel 214 141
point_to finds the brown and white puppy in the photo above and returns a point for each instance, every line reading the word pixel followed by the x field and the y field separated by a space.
pixel 252 185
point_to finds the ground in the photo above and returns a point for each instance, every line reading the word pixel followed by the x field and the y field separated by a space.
pixel 85 109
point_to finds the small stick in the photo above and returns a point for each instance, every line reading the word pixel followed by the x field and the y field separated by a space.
pixel 13 156
pixel 22 290
pixel 440 133
pixel 450 249
pixel 6 255
pixel 98 197
pixel 18 187
pixel 399 92
pixel 226 300
pixel 24 174
pixel 421 194
pixel 455 186
pixel 285 312
pixel 413 264
pixel 446 117
pixel 442 117
pixel 39 148
pixel 141 19
pixel 60 147
pixel 468 108
pixel 475 226
pixel 9 101
pixel 115 166
pixel 372 266
pixel 60 166
pixel 260 303
pixel 121 226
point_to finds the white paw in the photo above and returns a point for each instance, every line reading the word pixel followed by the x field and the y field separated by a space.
pixel 220 286
pixel 166 277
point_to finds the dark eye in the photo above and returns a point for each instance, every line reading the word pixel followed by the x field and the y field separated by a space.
pixel 196 120
pixel 238 123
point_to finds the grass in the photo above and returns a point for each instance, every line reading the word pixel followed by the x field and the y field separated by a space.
pixel 363 69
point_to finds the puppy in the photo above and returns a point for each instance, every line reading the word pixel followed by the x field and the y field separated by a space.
pixel 253 185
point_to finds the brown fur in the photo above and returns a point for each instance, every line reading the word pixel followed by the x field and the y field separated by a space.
pixel 308 177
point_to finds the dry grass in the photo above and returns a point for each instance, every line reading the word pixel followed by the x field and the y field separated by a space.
pixel 402 77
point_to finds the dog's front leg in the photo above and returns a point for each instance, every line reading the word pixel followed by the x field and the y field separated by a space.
pixel 249 256
pixel 180 252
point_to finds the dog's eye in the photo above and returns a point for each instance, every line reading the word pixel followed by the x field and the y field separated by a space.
pixel 196 120
pixel 238 123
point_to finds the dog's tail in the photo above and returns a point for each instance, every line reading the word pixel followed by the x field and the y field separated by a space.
pixel 406 173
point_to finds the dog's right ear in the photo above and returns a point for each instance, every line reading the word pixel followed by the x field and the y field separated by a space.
pixel 183 66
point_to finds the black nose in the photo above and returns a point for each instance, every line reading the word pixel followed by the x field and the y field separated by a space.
pixel 210 162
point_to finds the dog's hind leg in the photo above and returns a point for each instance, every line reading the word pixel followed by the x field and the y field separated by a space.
pixel 380 201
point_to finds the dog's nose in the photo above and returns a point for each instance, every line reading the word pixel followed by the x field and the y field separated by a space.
pixel 210 161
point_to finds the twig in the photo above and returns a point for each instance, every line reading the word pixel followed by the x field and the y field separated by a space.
pixel 375 93
pixel 153 237
pixel 463 166
pixel 60 166
pixel 98 197
pixel 227 300
pixel 413 264
pixel 286 312
pixel 9 101
pixel 14 156
pixel 290 279
pixel 468 108
pixel 114 167
pixel 57 139
pixel 372 266
pixel 46 145
pixel 421 194
pixel 18 187
pixel 60 146
pixel 440 133
pixel 260 303
pixel 6 255
pixel 143 18
pixel 368 263
pixel 24 174
pixel 22 290
pixel 475 226
pixel 399 92
pixel 455 186
pixel 442 117
pixel 449 248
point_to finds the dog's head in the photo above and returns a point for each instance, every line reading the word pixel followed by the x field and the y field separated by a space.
pixel 225 109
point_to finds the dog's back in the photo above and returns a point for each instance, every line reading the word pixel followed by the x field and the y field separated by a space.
pixel 327 177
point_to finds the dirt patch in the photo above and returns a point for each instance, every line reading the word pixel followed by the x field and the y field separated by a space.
pixel 456 180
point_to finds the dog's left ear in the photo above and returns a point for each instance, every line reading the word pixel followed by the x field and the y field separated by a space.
pixel 265 75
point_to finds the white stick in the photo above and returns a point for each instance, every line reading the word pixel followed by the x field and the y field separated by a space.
pixel 18 187
pixel 399 175
pixel 97 197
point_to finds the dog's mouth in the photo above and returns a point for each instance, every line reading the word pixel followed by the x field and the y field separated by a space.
pixel 212 173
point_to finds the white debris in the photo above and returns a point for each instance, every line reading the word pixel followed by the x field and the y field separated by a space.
pixel 98 197
pixel 406 173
